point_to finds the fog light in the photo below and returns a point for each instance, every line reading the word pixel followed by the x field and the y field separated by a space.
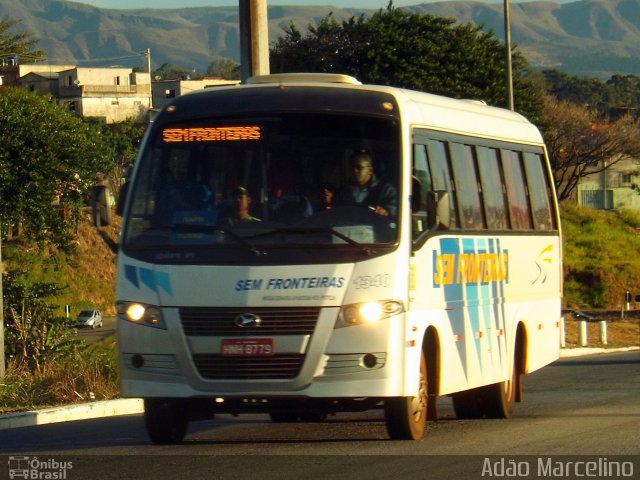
pixel 369 360
pixel 137 361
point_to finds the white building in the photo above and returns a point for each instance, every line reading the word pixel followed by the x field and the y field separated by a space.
pixel 166 90
pixel 113 94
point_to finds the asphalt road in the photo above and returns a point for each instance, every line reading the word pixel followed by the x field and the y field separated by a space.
pixel 584 406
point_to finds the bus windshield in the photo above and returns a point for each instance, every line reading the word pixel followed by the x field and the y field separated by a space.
pixel 267 183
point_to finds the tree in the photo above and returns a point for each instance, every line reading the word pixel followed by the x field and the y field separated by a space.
pixel 579 145
pixel 169 71
pixel 409 50
pixel 124 142
pixel 46 155
pixel 224 68
pixel 19 45
pixel 617 96
pixel 625 94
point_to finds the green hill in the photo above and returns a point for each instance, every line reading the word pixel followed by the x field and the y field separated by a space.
pixel 601 256
pixel 87 276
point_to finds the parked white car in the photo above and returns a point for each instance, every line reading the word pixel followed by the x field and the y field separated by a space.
pixel 89 318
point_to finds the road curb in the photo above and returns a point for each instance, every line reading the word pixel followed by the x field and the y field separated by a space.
pixel 84 411
pixel 577 352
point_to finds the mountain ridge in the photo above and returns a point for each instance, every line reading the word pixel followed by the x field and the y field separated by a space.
pixel 595 38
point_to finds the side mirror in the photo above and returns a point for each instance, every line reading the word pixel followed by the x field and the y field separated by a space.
pixel 100 206
pixel 438 209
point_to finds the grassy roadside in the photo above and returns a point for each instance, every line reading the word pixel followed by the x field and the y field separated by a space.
pixel 87 280
pixel 86 277
pixel 601 254
pixel 89 374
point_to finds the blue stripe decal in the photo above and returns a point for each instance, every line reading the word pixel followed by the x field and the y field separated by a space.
pixel 492 308
pixel 131 274
pixel 164 282
pixel 472 302
pixel 453 299
pixel 147 278
pixel 472 273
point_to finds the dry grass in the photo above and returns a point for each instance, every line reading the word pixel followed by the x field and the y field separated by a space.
pixel 91 274
pixel 620 333
pixel 89 375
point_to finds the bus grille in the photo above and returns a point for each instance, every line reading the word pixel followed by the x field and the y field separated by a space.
pixel 216 321
pixel 215 367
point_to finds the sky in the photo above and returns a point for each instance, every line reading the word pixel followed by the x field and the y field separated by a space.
pixel 369 4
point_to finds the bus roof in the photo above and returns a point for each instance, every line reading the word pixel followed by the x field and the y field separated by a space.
pixel 417 109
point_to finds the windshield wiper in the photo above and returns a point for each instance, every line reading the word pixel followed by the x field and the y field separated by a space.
pixel 366 250
pixel 189 227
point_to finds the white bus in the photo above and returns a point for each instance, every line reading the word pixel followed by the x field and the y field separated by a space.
pixel 242 288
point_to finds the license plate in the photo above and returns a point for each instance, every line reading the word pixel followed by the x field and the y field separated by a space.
pixel 247 347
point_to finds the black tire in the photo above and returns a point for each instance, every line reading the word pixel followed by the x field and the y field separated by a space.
pixel 166 420
pixel 499 398
pixel 406 417
pixel 491 401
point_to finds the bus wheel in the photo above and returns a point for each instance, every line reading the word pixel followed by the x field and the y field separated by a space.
pixel 498 399
pixel 492 401
pixel 406 417
pixel 166 420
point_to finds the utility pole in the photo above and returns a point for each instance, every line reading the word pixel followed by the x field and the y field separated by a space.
pixel 148 55
pixel 254 38
pixel 507 40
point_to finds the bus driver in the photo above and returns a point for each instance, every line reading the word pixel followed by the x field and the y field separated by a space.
pixel 366 189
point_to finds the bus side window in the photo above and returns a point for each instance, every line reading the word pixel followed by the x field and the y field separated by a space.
pixel 420 187
pixel 517 194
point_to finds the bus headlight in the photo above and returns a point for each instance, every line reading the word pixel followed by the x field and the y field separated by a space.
pixel 142 314
pixel 370 312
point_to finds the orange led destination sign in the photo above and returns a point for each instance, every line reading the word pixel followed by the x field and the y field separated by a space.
pixel 211 134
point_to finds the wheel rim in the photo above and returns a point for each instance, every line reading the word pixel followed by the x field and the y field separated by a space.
pixel 419 402
pixel 510 387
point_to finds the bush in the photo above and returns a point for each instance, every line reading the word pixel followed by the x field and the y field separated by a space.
pixel 89 374
pixel 34 336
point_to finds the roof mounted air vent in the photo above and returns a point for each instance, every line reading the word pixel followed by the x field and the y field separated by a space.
pixel 280 78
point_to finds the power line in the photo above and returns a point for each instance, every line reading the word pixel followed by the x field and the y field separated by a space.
pixel 29 55
pixel 105 59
